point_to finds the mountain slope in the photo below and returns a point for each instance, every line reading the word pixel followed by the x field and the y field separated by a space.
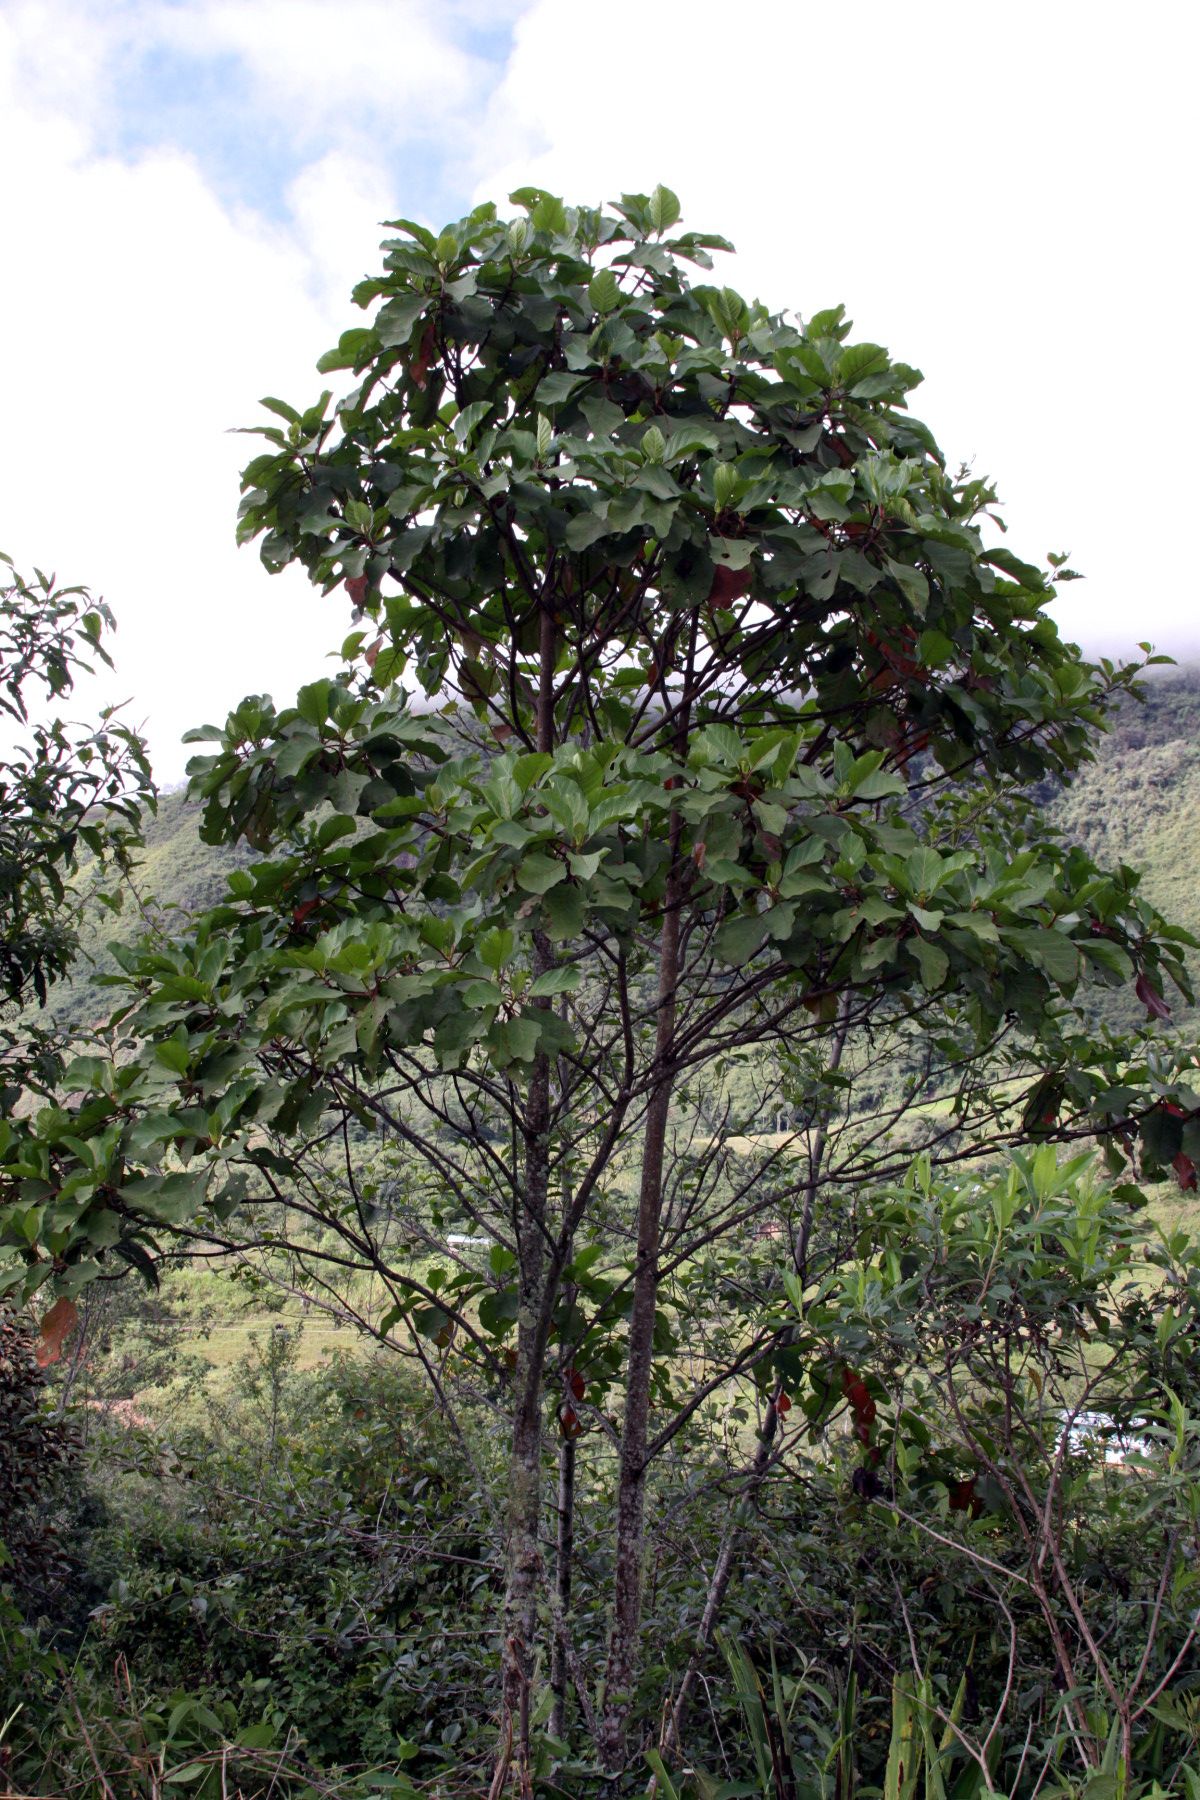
pixel 1139 803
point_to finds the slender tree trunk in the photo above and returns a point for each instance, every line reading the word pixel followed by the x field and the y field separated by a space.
pixel 621 1669
pixel 524 1564
pixel 564 1547
pixel 564 1561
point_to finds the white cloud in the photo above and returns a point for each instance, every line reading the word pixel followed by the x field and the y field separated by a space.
pixel 359 65
pixel 143 318
pixel 1002 196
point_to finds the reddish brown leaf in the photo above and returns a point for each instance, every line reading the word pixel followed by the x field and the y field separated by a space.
pixel 57 1325
pixel 1151 999
pixel 424 356
pixel 576 1383
pixel 1185 1171
pixel 963 1498
pixel 783 1404
pixel 728 586
pixel 356 587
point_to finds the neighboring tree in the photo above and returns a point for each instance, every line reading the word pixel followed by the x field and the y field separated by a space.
pixel 708 773
pixel 71 801
pixel 70 793
pixel 70 796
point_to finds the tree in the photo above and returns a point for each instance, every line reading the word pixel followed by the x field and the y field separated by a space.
pixel 679 744
pixel 71 795
pixel 71 790
pixel 71 800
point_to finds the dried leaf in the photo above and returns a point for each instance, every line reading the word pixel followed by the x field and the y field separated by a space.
pixel 57 1326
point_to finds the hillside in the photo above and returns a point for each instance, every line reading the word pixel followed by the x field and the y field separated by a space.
pixel 1139 803
pixel 176 874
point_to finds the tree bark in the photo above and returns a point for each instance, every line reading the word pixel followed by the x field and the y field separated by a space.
pixel 563 1566
pixel 524 1564
pixel 621 1668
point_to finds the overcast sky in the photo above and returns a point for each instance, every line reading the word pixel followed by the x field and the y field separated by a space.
pixel 1003 195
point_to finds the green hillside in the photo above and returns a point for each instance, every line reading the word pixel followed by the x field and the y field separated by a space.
pixel 175 874
pixel 1139 803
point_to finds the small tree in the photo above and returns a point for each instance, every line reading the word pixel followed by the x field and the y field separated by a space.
pixel 715 717
pixel 71 794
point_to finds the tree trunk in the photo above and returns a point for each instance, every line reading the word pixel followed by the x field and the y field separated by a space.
pixel 524 1558
pixel 564 1558
pixel 621 1669
pixel 524 1565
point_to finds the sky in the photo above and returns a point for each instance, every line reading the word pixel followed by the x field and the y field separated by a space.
pixel 1004 196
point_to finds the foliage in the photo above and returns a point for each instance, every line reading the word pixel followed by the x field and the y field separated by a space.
pixel 70 790
pixel 173 876
pixel 36 1450
pixel 303 1584
pixel 319 1575
pixel 1009 1531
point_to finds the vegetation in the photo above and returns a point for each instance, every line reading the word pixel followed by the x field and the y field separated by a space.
pixel 684 773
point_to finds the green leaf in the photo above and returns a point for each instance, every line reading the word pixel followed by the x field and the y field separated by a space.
pixel 741 938
pixel 924 870
pixel 564 910
pixel 495 947
pixel 654 445
pixel 911 582
pixel 932 961
pixel 537 874
pixel 879 785
pixel 565 978
pixel 173 1054
pixel 1050 951
pixel 469 418
pixel 1023 573
pixel 665 209
pixel 726 483
pixel 1109 957
pixel 395 320
pixel 558 386
pixel 604 291
pixel 585 528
